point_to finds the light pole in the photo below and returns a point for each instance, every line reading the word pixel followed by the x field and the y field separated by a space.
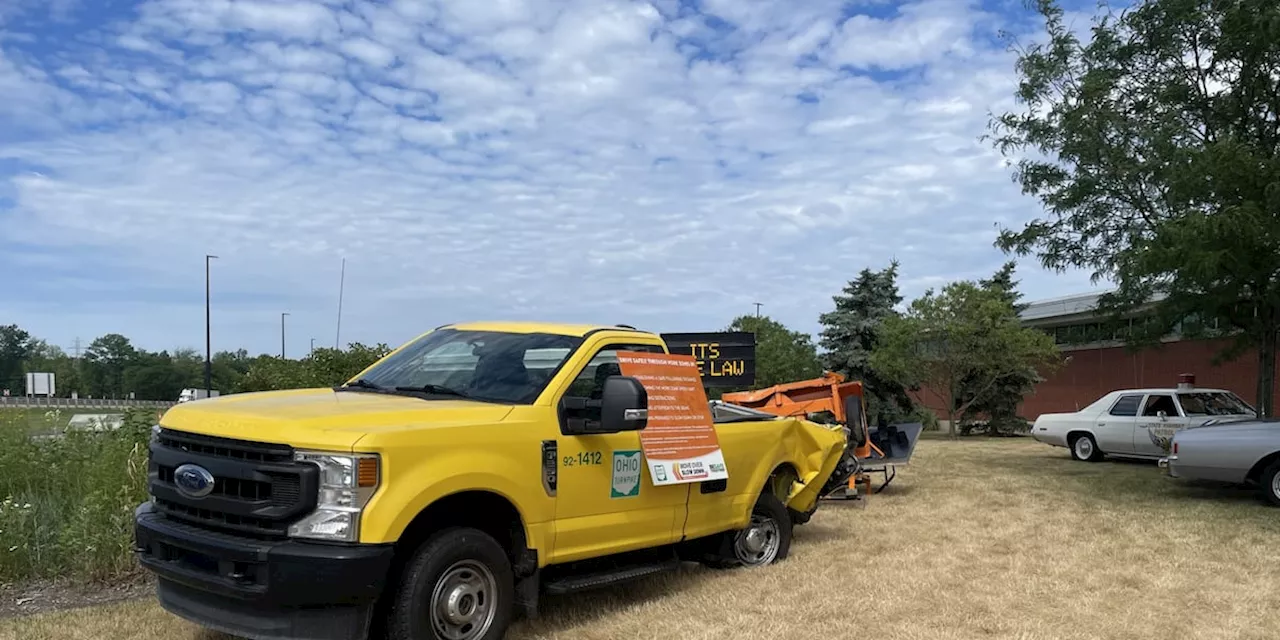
pixel 282 335
pixel 208 342
pixel 758 305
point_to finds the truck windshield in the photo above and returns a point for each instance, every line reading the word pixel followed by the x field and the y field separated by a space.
pixel 1202 403
pixel 492 366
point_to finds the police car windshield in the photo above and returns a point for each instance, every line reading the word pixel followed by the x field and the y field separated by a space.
pixel 491 366
pixel 1202 403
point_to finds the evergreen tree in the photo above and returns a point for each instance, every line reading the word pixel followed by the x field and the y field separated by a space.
pixel 850 334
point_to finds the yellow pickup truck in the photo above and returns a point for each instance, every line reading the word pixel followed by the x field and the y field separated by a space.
pixel 442 490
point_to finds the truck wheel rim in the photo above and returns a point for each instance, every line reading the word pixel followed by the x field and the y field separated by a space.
pixel 1275 486
pixel 758 543
pixel 1084 447
pixel 462 603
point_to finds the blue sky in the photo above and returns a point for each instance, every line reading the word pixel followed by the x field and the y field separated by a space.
pixel 664 164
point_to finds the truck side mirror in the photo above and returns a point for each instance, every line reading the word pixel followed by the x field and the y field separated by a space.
pixel 623 406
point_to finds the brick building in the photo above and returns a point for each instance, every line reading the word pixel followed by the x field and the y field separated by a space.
pixel 1099 363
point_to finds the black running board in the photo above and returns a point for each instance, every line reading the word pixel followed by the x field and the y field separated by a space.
pixel 595 580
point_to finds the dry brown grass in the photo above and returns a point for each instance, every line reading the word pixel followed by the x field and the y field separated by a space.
pixel 978 539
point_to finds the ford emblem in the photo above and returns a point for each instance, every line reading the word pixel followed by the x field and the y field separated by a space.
pixel 193 481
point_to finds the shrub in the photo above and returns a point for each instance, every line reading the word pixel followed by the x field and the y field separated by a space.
pixel 67 501
pixel 925 416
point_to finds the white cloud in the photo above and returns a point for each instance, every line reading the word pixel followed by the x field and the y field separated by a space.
pixel 217 97
pixel 606 161
pixel 921 33
pixel 301 20
pixel 368 52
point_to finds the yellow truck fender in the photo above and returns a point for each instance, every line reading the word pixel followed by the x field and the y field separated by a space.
pixel 407 492
pixel 813 451
pixel 756 451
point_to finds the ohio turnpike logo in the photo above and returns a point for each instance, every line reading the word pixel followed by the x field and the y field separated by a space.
pixel 626 474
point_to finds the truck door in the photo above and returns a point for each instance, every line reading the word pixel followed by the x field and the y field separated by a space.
pixel 1161 414
pixel 605 500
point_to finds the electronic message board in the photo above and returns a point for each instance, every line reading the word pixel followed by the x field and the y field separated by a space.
pixel 725 359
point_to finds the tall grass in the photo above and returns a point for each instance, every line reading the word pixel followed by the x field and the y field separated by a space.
pixel 66 502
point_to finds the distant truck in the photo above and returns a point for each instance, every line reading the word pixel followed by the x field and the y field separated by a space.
pixel 453 481
pixel 188 395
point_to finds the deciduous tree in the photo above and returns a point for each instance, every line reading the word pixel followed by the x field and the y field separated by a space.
pixel 965 339
pixel 15 348
pixel 324 367
pixel 782 355
pixel 1155 150
pixel 105 363
pixel 999 401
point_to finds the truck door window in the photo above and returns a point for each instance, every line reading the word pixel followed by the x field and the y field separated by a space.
pixel 1158 403
pixel 590 381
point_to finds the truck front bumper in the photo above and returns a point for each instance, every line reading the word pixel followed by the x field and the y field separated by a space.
pixel 262 590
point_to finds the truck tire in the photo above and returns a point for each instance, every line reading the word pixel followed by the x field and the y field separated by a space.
pixel 457 585
pixel 1269 484
pixel 766 539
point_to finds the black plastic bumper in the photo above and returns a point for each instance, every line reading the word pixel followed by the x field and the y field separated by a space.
pixel 261 589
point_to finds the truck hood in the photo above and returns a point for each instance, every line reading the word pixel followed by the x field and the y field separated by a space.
pixel 322 418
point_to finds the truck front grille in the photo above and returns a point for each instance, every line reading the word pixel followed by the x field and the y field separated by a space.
pixel 226 447
pixel 258 489
pixel 254 527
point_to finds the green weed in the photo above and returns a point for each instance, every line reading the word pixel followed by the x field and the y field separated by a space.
pixel 66 502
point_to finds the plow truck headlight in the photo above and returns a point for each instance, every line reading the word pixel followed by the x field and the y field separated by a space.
pixel 346 484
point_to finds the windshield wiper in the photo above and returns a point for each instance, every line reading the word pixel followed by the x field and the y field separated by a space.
pixel 435 389
pixel 360 383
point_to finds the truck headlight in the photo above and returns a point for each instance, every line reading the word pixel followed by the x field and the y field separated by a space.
pixel 347 483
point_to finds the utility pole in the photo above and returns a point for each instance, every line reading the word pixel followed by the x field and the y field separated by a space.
pixel 758 305
pixel 282 315
pixel 208 342
pixel 342 281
